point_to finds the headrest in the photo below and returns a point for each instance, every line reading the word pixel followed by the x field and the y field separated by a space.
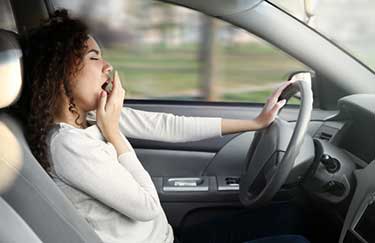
pixel 10 68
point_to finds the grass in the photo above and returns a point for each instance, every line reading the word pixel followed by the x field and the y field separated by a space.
pixel 155 71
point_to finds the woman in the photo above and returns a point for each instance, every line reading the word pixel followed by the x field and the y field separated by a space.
pixel 77 131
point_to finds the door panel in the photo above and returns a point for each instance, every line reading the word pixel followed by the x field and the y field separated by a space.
pixel 161 162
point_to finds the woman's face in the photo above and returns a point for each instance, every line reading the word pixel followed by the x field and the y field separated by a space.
pixel 87 84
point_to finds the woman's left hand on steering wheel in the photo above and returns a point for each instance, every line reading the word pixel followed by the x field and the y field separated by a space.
pixel 272 107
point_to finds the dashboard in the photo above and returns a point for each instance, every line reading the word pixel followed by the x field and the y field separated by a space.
pixel 353 128
pixel 358 136
pixel 344 166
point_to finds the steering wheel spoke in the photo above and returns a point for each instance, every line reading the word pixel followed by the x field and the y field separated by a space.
pixel 271 166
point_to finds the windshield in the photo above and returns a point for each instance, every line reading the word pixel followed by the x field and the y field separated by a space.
pixel 348 23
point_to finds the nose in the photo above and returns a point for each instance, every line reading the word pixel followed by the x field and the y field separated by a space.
pixel 107 68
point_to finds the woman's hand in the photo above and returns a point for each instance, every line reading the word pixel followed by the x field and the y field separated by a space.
pixel 265 118
pixel 271 108
pixel 109 110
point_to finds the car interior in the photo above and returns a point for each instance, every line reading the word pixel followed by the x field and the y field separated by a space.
pixel 323 150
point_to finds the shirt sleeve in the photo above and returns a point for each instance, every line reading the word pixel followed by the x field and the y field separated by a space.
pixel 166 127
pixel 92 166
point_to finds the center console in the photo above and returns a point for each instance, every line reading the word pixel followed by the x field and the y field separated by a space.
pixel 360 220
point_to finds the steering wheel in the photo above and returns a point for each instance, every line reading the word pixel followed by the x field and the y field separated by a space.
pixel 274 150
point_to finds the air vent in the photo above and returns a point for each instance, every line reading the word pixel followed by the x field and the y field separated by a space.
pixel 326 133
pixel 325 136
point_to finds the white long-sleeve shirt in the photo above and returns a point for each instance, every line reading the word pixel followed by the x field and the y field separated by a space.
pixel 114 193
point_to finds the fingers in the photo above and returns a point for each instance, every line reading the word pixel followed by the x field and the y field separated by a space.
pixel 272 103
pixel 116 81
pixel 118 93
pixel 119 86
pixel 102 101
pixel 277 92
pixel 280 89
pixel 278 105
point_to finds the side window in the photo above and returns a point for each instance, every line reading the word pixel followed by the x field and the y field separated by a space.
pixel 164 51
pixel 6 16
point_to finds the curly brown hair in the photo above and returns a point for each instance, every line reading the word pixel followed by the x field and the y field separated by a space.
pixel 53 54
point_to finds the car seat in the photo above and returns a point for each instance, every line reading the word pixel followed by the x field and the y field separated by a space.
pixel 13 228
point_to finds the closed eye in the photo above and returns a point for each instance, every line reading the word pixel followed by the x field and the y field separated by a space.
pixel 94 58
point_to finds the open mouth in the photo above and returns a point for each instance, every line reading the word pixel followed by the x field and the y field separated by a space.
pixel 107 86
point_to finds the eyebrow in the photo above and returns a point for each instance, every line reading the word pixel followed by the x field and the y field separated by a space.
pixel 94 50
